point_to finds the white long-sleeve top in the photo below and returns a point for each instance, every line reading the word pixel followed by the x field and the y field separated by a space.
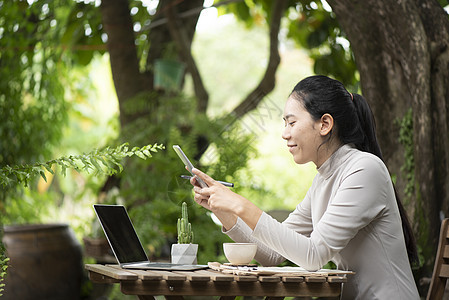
pixel 348 216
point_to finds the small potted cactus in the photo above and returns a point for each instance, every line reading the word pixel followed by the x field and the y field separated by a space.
pixel 184 252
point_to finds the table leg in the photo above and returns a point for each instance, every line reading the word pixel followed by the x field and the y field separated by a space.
pixel 227 297
pixel 274 298
pixel 174 297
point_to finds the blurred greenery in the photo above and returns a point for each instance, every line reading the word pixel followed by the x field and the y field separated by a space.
pixel 32 100
pixel 315 27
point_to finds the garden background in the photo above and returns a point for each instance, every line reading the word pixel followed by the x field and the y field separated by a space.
pixel 82 75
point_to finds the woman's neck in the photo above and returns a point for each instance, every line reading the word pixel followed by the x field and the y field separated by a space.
pixel 326 151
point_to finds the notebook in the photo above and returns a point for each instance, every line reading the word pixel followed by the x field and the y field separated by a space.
pixel 125 243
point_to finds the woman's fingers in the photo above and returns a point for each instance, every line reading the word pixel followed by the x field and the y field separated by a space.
pixel 201 200
pixel 203 195
pixel 206 178
pixel 205 192
pixel 194 182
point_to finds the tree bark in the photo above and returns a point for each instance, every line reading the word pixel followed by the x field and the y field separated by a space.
pixel 436 26
pixel 122 51
pixel 401 50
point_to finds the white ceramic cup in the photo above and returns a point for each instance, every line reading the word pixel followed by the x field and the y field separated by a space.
pixel 239 253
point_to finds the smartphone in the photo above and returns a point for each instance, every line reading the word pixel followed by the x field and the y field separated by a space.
pixel 188 164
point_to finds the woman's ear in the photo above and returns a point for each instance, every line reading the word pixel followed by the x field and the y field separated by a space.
pixel 327 124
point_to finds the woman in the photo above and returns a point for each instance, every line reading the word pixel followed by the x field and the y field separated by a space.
pixel 350 215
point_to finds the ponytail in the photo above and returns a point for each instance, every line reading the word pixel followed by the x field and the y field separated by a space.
pixel 371 145
pixel 356 125
pixel 367 125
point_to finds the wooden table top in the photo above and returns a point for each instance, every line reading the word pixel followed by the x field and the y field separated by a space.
pixel 172 284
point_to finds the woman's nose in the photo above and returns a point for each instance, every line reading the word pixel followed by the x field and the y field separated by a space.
pixel 286 133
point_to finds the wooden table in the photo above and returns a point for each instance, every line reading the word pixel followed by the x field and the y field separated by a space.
pixel 174 285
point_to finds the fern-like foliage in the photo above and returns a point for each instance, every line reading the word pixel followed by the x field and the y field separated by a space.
pixel 3 266
pixel 107 161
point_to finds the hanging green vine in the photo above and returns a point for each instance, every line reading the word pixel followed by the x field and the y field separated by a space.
pixel 106 161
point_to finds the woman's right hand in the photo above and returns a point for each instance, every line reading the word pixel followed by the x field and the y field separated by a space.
pixel 227 219
pixel 224 203
pixel 199 198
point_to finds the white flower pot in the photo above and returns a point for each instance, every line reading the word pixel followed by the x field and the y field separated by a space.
pixel 184 253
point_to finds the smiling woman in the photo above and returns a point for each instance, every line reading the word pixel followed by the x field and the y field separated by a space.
pixel 350 215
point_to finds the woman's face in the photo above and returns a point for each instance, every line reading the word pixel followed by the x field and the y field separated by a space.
pixel 301 132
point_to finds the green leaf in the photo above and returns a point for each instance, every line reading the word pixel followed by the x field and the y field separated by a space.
pixel 241 10
pixel 95 163
pixel 147 153
pixel 48 168
pixel 103 161
pixel 42 173
pixel 63 169
pixel 141 155
pixel 86 164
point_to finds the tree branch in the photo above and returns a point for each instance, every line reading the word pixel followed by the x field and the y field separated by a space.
pixel 179 36
pixel 268 81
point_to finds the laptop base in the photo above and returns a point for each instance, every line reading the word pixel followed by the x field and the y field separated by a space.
pixel 164 266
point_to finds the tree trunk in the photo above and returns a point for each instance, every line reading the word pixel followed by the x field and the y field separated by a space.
pixel 118 25
pixel 401 50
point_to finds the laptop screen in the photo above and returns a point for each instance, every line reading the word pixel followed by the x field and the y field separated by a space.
pixel 120 233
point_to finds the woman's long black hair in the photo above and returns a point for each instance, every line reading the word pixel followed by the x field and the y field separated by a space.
pixel 355 124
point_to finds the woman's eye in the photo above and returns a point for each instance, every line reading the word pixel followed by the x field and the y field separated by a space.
pixel 289 123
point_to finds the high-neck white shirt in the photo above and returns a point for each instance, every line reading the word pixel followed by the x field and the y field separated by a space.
pixel 348 216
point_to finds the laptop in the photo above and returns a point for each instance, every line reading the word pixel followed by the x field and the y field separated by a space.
pixel 125 243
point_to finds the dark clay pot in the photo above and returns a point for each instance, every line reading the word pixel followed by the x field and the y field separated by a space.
pixel 45 262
